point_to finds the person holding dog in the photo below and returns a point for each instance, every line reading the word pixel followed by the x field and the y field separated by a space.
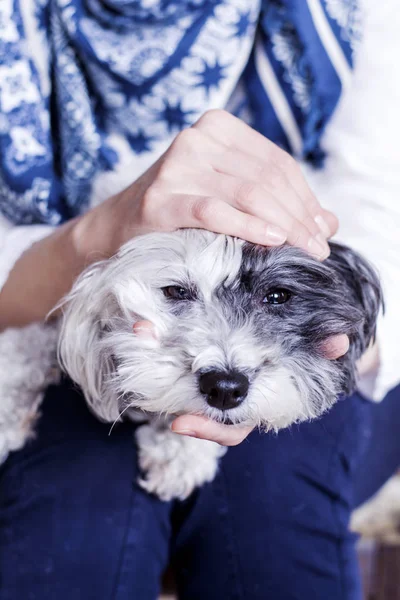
pixel 120 118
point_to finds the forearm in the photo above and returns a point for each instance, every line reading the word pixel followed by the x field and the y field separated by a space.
pixel 44 274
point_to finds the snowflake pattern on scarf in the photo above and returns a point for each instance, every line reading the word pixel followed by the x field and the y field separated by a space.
pixel 77 75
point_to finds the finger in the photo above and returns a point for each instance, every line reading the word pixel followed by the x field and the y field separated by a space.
pixel 205 429
pixel 336 346
pixel 249 198
pixel 236 134
pixel 216 215
pixel 193 146
pixel 209 154
pixel 254 199
pixel 332 221
pixel 246 167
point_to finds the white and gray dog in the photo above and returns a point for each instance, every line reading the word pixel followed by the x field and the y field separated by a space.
pixel 239 331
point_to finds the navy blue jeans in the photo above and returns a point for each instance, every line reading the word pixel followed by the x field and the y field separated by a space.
pixel 273 525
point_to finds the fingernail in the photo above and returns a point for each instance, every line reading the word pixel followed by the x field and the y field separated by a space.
pixel 275 235
pixel 185 432
pixel 321 240
pixel 318 246
pixel 323 225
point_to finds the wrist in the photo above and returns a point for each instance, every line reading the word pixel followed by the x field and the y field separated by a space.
pixel 99 233
pixel 93 235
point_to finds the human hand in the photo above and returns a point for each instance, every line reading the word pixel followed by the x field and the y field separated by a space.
pixel 219 175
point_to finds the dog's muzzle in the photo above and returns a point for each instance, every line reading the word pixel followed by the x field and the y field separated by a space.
pixel 224 390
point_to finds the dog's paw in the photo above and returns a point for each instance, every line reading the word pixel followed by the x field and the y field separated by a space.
pixel 174 465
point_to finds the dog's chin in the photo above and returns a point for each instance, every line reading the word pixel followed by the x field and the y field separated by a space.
pixel 228 417
pixel 274 402
pixel 137 410
pixel 243 417
pixel 268 416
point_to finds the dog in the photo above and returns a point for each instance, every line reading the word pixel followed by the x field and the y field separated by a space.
pixel 239 331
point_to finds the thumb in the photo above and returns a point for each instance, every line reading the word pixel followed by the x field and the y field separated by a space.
pixel 335 346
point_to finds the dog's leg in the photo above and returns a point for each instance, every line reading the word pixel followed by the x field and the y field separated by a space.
pixel 174 465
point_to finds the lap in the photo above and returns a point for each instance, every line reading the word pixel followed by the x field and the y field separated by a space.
pixel 74 524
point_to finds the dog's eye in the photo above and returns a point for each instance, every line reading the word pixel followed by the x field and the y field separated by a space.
pixel 177 292
pixel 278 296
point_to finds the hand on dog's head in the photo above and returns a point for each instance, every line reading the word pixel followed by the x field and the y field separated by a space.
pixel 240 328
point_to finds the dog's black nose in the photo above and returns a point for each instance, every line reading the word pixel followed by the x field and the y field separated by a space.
pixel 224 390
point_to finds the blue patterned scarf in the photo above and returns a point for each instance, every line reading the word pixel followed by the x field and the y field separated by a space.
pixel 84 81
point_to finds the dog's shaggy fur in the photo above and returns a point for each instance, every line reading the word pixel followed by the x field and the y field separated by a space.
pixel 28 365
pixel 219 307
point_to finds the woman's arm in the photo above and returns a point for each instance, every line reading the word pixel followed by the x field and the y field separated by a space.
pixel 219 175
pixel 41 277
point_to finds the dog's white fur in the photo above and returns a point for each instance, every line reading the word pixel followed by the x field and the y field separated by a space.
pixel 114 294
pixel 174 465
pixel 119 292
pixel 156 378
pixel 28 365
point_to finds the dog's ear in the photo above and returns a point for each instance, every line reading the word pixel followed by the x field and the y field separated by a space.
pixel 362 284
pixel 82 350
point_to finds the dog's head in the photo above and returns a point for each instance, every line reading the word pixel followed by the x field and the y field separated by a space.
pixel 239 327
